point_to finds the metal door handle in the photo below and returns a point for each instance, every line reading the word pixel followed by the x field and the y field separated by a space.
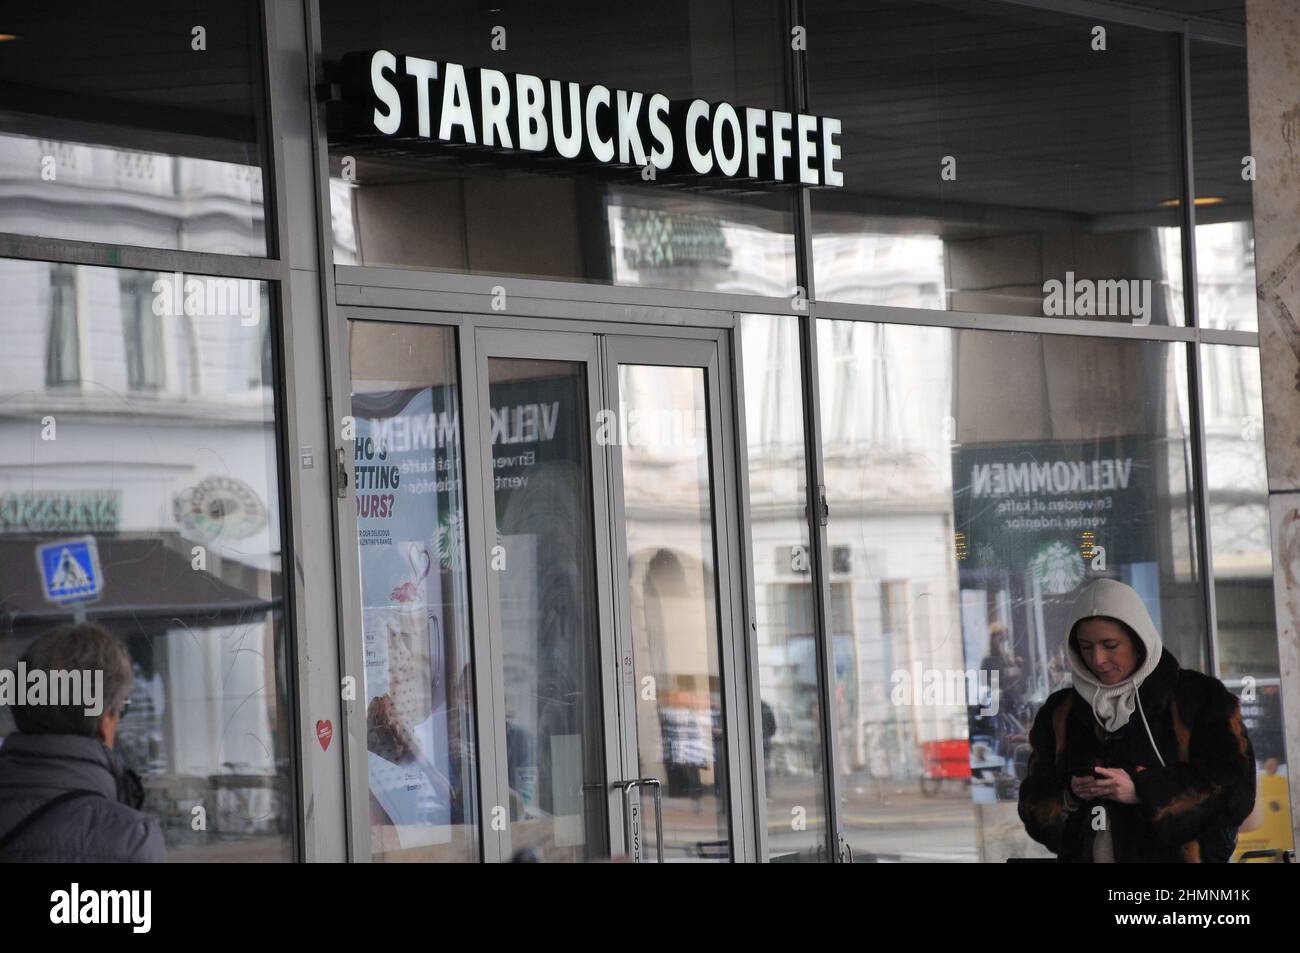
pixel 626 787
pixel 659 815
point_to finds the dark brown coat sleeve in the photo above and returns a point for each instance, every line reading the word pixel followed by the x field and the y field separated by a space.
pixel 1042 793
pixel 1213 783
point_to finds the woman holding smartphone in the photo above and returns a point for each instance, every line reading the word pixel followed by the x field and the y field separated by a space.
pixel 1140 760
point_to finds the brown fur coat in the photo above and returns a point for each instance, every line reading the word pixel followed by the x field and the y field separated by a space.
pixel 1188 811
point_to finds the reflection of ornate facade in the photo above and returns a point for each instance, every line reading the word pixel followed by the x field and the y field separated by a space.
pixel 887 425
pixel 170 417
pixel 98 193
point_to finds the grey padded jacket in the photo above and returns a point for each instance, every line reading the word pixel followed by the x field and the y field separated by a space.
pixel 107 829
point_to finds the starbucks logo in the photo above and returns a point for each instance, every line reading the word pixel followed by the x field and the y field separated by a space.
pixel 1057 567
pixel 219 508
pixel 449 542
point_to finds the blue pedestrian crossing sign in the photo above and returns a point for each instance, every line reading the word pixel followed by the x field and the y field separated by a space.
pixel 70 570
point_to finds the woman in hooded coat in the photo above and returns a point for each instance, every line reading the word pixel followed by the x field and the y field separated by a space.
pixel 1140 760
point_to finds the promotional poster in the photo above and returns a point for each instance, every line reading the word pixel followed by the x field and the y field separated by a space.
pixel 402 474
pixel 1035 522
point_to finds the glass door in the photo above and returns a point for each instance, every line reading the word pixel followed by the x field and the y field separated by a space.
pixel 551 642
pixel 663 432
pixel 554 711
pixel 419 799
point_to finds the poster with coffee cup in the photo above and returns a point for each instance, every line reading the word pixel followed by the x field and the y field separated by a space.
pixel 402 613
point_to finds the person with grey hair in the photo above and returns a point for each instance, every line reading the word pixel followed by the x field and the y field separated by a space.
pixel 65 794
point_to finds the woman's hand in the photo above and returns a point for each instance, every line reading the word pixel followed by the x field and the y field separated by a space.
pixel 1117 786
pixel 1085 788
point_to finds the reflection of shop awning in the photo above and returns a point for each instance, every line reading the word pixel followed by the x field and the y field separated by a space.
pixel 142 578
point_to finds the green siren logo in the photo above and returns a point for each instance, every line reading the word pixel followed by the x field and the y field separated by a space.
pixel 1057 568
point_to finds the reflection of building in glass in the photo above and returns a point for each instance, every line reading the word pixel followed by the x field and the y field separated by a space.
pixel 380 214
pixel 1225 273
pixel 1044 477
pixel 1237 494
pixel 886 431
pixel 881 268
pixel 155 435
pixel 67 189
pixel 674 614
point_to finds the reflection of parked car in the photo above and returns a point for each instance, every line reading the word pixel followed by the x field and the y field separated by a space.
pixel 944 760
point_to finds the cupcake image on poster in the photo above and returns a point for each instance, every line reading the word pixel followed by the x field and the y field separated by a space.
pixel 406 710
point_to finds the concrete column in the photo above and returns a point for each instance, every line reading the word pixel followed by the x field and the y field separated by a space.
pixel 1273 36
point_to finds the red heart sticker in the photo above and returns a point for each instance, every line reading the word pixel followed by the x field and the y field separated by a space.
pixel 324 732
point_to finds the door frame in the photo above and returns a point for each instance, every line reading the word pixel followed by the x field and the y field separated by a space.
pixel 746 807
pixel 707 353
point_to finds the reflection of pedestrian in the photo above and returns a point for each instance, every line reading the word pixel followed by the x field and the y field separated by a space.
pixel 1122 738
pixel 715 722
pixel 1005 700
pixel 521 763
pixel 65 794
pixel 1009 666
pixel 1058 670
pixel 769 732
pixel 460 741
pixel 687 748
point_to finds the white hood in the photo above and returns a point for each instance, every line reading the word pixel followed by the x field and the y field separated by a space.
pixel 1113 704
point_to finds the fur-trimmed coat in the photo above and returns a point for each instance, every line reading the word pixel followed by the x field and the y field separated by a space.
pixel 1188 811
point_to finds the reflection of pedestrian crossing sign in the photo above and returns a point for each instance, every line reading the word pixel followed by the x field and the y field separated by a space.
pixel 70 570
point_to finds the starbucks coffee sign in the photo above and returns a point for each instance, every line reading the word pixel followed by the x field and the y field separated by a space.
pixel 390 96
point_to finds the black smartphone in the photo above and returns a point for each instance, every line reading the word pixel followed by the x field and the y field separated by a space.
pixel 1092 773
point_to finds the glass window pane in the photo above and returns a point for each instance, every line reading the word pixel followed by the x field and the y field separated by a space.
pixel 110 132
pixel 178 486
pixel 1225 228
pixel 978 482
pixel 672 601
pixel 1237 487
pixel 1237 490
pixel 63 340
pixel 489 212
pixel 788 673
pixel 414 598
pixel 989 150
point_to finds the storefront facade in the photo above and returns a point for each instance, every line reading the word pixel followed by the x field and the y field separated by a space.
pixel 594 432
